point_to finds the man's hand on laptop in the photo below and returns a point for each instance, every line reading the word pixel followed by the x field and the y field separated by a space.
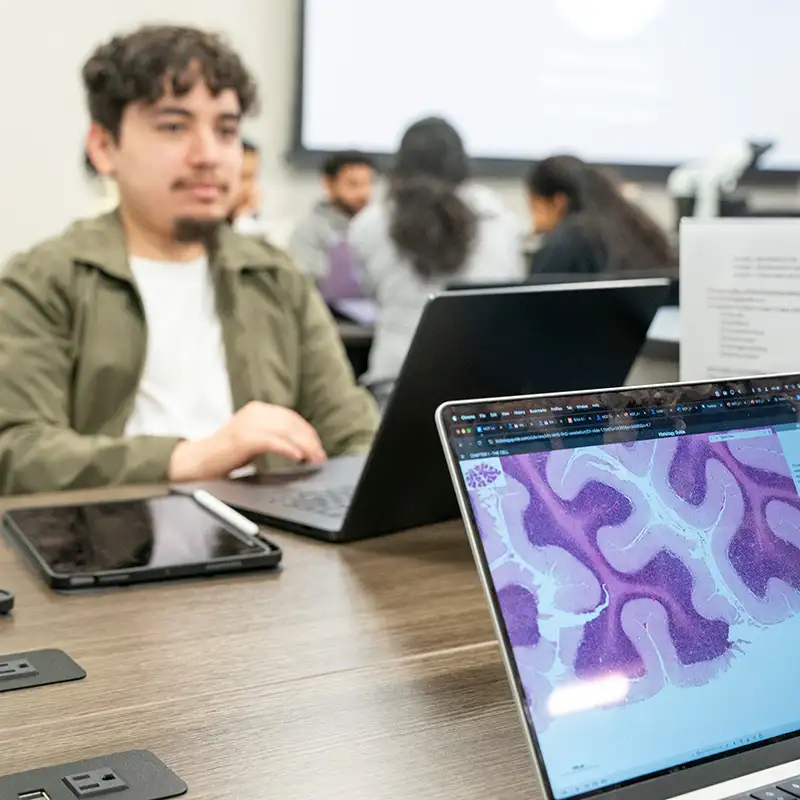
pixel 255 430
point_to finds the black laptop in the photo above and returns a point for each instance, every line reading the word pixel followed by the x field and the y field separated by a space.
pixel 540 278
pixel 518 340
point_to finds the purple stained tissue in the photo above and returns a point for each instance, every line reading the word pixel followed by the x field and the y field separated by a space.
pixel 649 560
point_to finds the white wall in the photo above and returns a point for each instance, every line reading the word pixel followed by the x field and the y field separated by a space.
pixel 42 47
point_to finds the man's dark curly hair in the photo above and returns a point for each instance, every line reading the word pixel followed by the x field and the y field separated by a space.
pixel 142 65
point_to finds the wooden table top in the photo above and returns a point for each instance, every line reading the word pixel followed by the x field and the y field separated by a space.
pixel 367 670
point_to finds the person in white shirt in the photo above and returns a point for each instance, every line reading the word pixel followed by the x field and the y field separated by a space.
pixel 154 343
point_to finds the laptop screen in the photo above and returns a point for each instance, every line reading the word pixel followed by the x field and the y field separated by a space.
pixel 640 550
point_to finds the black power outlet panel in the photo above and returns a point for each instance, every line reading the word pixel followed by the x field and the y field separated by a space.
pixel 37 668
pixel 95 783
pixel 132 775
pixel 18 668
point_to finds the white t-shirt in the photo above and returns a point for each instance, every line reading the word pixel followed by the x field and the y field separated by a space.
pixel 184 389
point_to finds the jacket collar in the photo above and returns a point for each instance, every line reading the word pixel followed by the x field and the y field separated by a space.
pixel 101 243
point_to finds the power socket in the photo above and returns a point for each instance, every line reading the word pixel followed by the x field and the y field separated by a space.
pixel 131 775
pixel 95 783
pixel 20 668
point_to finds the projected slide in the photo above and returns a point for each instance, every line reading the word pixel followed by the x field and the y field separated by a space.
pixel 646 579
pixel 617 81
pixel 610 20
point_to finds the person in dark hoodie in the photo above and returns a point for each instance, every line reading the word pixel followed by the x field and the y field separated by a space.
pixel 589 225
pixel 434 228
pixel 317 241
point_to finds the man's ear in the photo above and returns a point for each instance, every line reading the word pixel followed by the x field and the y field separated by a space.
pixel 327 186
pixel 101 147
pixel 561 204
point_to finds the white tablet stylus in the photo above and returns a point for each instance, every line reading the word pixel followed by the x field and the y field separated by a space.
pixel 224 512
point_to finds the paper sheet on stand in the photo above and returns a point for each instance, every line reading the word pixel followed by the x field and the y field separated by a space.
pixel 740 297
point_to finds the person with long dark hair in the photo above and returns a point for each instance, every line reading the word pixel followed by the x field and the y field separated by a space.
pixel 589 224
pixel 434 228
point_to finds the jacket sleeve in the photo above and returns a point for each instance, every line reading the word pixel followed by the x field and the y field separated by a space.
pixel 344 414
pixel 39 451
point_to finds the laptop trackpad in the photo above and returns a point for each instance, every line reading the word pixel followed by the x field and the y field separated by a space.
pixel 314 496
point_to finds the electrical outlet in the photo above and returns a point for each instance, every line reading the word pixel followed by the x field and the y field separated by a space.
pixel 95 783
pixel 20 668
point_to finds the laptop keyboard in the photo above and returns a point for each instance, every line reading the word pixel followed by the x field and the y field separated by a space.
pixel 786 790
pixel 325 502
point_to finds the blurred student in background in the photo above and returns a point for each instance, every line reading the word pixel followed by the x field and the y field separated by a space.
pixel 247 204
pixel 154 343
pixel 319 243
pixel 435 228
pixel 589 225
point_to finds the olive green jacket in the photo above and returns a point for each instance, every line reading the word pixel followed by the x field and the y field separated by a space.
pixel 72 349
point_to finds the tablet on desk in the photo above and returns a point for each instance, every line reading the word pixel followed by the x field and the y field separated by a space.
pixel 120 543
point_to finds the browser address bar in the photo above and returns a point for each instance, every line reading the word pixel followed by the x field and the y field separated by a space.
pixel 521 438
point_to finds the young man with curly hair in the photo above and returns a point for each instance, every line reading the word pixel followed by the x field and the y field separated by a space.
pixel 154 343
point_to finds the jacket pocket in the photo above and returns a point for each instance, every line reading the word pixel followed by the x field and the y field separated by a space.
pixel 264 351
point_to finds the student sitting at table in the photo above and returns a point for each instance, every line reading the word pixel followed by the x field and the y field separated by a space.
pixel 247 203
pixel 434 228
pixel 589 225
pixel 319 244
pixel 154 343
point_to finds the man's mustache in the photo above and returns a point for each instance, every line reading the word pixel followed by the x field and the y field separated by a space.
pixel 187 183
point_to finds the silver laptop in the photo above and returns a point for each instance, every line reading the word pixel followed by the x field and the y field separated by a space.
pixel 640 551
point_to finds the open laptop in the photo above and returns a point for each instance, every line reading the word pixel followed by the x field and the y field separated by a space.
pixel 532 338
pixel 539 278
pixel 640 551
